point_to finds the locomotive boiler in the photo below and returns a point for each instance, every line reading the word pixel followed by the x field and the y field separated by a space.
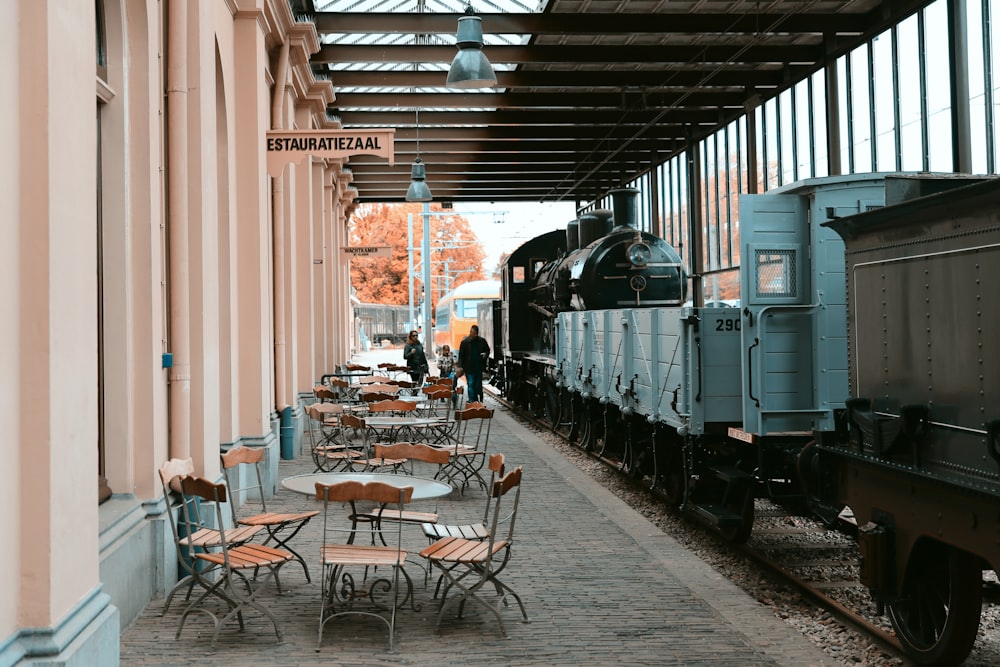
pixel 601 261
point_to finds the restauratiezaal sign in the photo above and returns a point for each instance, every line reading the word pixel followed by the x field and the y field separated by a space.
pixel 366 251
pixel 284 146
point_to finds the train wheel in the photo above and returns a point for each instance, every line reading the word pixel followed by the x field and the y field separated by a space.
pixel 937 616
pixel 566 418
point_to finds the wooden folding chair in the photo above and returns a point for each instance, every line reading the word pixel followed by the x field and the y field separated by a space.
pixel 190 538
pixel 470 531
pixel 471 436
pixel 330 444
pixel 342 589
pixel 403 453
pixel 281 527
pixel 469 565
pixel 233 564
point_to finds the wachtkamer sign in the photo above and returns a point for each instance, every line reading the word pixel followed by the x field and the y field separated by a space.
pixel 366 251
pixel 288 146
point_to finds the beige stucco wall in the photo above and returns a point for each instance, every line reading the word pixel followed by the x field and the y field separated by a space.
pixel 187 266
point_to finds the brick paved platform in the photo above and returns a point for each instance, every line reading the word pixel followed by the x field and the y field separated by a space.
pixel 602 586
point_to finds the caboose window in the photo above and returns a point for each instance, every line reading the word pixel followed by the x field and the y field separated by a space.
pixel 776 274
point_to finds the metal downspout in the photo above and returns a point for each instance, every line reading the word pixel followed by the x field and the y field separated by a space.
pixel 278 233
pixel 178 230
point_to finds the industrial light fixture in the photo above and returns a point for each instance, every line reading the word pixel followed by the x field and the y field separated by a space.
pixel 470 68
pixel 418 190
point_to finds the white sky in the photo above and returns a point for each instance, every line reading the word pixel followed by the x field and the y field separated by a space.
pixel 503 226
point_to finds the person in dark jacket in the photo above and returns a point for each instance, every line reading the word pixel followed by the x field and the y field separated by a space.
pixel 472 355
pixel 416 360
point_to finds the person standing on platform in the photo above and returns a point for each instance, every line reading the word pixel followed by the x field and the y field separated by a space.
pixel 416 360
pixel 472 355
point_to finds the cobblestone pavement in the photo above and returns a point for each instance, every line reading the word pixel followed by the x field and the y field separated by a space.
pixel 602 586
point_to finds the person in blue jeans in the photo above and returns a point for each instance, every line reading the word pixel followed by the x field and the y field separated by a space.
pixel 472 355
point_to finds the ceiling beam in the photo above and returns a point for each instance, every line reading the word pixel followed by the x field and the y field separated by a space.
pixel 508 133
pixel 576 54
pixel 422 101
pixel 520 117
pixel 593 24
pixel 613 79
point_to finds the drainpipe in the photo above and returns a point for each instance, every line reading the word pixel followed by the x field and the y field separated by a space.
pixel 178 231
pixel 278 231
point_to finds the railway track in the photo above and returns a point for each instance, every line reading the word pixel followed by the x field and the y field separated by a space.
pixel 798 553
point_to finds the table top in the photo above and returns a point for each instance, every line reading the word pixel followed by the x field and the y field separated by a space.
pixel 423 488
pixel 394 421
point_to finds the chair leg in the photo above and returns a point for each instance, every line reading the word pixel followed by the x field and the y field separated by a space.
pixel 282 543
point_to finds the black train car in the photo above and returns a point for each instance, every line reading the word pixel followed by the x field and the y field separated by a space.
pixel 917 456
pixel 378 322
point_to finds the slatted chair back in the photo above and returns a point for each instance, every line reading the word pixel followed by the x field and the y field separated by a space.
pixel 243 470
pixel 409 451
pixel 374 379
pixel 382 388
pixel 474 566
pixel 233 562
pixel 393 407
pixel 352 368
pixel 342 557
pixel 370 397
pixel 326 395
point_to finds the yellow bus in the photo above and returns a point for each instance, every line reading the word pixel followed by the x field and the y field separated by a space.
pixel 457 311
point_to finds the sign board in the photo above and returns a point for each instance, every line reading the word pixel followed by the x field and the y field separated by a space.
pixel 284 146
pixel 366 251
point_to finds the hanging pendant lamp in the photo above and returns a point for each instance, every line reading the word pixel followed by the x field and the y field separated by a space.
pixel 418 190
pixel 470 68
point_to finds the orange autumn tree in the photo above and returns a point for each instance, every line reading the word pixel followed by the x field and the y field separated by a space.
pixel 456 253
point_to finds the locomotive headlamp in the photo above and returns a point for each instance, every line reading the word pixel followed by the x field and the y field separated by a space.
pixel 639 254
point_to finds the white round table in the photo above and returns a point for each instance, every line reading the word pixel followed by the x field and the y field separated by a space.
pixel 423 489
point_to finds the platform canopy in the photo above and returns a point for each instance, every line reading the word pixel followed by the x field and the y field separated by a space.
pixel 590 93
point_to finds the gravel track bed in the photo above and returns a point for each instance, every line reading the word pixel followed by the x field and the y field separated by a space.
pixel 817 560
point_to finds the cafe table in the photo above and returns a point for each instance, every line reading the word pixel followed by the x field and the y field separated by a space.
pixel 392 429
pixel 423 488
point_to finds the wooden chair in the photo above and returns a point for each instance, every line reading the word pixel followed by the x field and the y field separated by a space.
pixel 468 565
pixel 342 391
pixel 329 446
pixel 280 526
pixel 471 435
pixel 342 589
pixel 440 402
pixel 471 531
pixel 192 538
pixel 233 563
pixel 405 452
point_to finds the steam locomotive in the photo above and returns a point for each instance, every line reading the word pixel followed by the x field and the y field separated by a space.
pixel 718 406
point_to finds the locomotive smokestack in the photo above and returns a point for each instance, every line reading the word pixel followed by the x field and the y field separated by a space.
pixel 624 203
pixel 572 235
